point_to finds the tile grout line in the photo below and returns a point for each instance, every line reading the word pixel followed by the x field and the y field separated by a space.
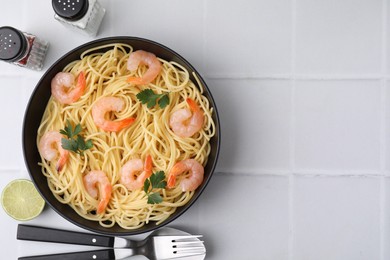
pixel 270 172
pixel 291 217
pixel 314 77
pixel 204 28
pixel 381 218
pixel 203 62
pixel 382 167
pixel 290 245
pixel 297 77
pixel 383 150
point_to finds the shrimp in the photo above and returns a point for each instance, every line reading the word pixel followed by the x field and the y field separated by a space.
pixel 141 57
pixel 104 189
pixel 195 178
pixel 63 89
pixel 184 123
pixel 105 105
pixel 129 170
pixel 50 145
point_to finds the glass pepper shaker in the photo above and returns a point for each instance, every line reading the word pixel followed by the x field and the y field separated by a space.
pixel 84 16
pixel 23 49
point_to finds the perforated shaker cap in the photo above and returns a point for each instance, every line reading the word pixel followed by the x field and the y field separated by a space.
pixel 13 44
pixel 72 10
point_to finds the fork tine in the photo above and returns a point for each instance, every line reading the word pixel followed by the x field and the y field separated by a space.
pixel 188 254
pixel 193 249
pixel 183 237
pixel 189 247
pixel 187 243
pixel 185 256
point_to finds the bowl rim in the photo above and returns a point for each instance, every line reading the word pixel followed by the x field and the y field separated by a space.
pixel 101 42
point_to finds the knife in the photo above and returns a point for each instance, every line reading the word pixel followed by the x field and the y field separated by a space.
pixel 105 254
pixel 43 234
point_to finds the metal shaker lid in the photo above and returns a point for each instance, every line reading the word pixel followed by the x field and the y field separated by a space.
pixel 13 44
pixel 71 10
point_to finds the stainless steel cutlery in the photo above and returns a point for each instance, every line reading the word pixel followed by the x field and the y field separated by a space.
pixel 164 243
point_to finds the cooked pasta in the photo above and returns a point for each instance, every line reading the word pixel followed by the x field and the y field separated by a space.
pixel 106 75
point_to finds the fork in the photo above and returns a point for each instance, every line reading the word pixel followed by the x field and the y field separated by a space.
pixel 164 243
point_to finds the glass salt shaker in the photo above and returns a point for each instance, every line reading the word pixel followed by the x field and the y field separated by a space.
pixel 21 48
pixel 84 16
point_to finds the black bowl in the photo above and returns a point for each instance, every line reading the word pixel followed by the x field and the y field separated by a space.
pixel 37 105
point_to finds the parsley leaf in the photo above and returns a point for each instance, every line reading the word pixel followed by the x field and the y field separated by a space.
pixel 69 144
pixel 164 101
pixel 155 181
pixel 148 97
pixel 74 141
pixel 146 185
pixel 82 144
pixel 158 180
pixel 154 198
pixel 68 130
pixel 77 130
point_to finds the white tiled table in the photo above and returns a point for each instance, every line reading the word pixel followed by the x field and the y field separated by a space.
pixel 303 92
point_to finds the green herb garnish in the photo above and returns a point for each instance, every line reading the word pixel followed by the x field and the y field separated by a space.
pixel 155 181
pixel 74 141
pixel 147 96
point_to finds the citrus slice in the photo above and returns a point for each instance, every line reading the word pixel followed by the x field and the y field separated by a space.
pixel 21 200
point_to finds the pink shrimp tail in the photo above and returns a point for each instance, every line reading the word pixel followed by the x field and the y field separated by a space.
pixel 171 181
pixel 81 83
pixel 105 199
pixel 116 126
pixel 192 104
pixel 176 169
pixel 148 166
pixel 136 80
pixel 61 161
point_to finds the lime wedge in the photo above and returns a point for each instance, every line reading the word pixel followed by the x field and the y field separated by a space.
pixel 21 200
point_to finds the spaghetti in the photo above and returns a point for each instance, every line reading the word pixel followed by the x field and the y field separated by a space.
pixel 106 76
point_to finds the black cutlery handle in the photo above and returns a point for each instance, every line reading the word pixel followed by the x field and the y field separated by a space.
pixel 43 234
pixel 104 254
